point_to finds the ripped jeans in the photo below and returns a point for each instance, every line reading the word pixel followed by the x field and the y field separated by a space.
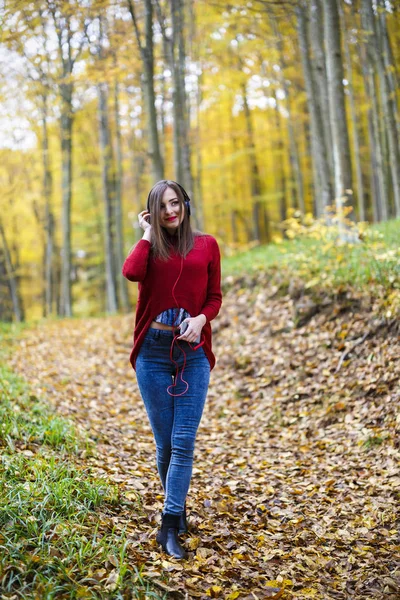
pixel 174 420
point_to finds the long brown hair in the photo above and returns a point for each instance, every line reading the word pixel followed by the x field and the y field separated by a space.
pixel 162 242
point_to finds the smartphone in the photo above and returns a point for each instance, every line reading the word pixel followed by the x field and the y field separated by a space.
pixel 182 328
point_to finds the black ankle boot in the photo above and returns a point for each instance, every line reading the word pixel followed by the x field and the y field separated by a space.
pixel 183 524
pixel 168 536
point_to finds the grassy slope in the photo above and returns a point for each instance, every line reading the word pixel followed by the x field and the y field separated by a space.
pixel 377 259
pixel 53 542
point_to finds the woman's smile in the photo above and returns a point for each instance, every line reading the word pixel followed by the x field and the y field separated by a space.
pixel 171 214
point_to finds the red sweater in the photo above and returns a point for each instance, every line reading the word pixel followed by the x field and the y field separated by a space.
pixel 198 289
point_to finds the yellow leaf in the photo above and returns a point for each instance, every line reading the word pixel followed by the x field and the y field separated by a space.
pixel 171 566
pixel 309 592
pixel 193 543
pixel 204 552
pixel 83 592
pixel 214 591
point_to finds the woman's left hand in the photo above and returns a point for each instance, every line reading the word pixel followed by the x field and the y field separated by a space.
pixel 193 331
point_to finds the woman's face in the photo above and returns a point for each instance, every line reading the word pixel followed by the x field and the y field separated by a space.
pixel 171 215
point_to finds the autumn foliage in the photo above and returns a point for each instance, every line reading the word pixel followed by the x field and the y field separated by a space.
pixel 296 481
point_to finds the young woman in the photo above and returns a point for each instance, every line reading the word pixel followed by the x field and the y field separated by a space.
pixel 179 277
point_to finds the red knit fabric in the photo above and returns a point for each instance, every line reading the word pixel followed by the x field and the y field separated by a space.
pixel 198 289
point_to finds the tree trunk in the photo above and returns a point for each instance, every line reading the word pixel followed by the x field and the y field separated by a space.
pixel 259 231
pixel 380 201
pixel 106 170
pixel 49 218
pixel 174 50
pixel 297 175
pixel 234 229
pixel 176 92
pixel 66 154
pixel 12 280
pixel 147 54
pixel 319 74
pixel 337 110
pixel 322 186
pixel 390 65
pixel 137 161
pixel 199 164
pixel 246 226
pixel 178 32
pixel 119 237
pixel 389 111
pixel 354 121
pixel 279 167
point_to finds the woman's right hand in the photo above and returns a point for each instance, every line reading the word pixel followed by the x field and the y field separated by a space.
pixel 143 220
pixel 145 225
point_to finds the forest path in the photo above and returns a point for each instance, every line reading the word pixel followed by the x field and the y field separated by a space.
pixel 296 477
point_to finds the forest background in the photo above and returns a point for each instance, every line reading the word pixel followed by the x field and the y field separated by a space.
pixel 264 110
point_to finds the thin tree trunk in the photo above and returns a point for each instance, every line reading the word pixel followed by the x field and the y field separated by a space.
pixel 119 238
pixel 389 113
pixel 234 229
pixel 199 164
pixel 298 190
pixel 49 218
pixel 377 182
pixel 137 160
pixel 353 116
pixel 322 186
pixel 6 306
pixel 246 226
pixel 177 95
pixel 279 167
pixel 337 110
pixel 259 232
pixel 184 101
pixel 163 122
pixel 147 55
pixel 12 279
pixel 240 196
pixel 174 49
pixel 106 166
pixel 62 25
pixel 295 161
pixel 319 74
pixel 66 154
pixel 390 65
pixel 380 201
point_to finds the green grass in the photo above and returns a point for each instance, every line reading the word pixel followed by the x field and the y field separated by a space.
pixel 24 418
pixel 315 258
pixel 54 542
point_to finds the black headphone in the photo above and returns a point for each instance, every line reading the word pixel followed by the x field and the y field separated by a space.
pixel 185 198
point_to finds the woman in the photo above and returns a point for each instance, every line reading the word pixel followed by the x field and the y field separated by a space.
pixel 179 277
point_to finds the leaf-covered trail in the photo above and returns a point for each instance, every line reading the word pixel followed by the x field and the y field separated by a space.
pixel 296 476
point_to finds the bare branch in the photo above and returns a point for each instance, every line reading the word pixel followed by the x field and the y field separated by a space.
pixel 135 24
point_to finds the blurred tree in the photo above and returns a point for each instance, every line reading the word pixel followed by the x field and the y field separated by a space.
pixel 337 110
pixel 107 171
pixel 147 55
pixel 321 172
pixel 70 20
pixel 10 272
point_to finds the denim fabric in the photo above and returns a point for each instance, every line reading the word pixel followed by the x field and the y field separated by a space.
pixel 174 420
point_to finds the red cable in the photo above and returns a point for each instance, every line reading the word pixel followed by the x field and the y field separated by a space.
pixel 177 368
pixel 181 349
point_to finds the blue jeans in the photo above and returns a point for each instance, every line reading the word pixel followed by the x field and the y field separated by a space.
pixel 174 420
